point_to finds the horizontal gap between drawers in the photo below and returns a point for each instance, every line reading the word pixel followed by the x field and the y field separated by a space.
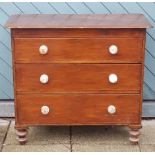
pixel 96 37
pixel 73 37
pixel 15 62
pixel 83 93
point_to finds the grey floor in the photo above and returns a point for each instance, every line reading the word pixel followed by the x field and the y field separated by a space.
pixel 77 139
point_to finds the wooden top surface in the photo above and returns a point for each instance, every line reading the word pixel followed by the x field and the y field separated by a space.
pixel 78 21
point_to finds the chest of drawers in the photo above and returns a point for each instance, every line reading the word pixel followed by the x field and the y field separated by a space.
pixel 78 70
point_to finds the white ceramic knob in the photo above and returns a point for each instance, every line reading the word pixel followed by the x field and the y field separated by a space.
pixel 44 78
pixel 43 49
pixel 111 109
pixel 45 110
pixel 113 49
pixel 113 78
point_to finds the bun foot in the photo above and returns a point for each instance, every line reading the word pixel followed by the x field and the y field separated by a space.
pixel 21 136
pixel 134 136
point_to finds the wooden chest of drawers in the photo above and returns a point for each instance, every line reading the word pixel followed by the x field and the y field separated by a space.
pixel 78 70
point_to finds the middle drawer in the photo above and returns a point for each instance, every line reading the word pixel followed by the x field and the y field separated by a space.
pixel 78 78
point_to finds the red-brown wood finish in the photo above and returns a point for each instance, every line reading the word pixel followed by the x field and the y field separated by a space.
pixel 74 78
pixel 78 64
pixel 78 33
pixel 78 50
pixel 78 109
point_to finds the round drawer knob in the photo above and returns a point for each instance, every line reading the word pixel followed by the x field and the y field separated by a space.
pixel 113 49
pixel 44 78
pixel 45 110
pixel 113 78
pixel 111 109
pixel 43 49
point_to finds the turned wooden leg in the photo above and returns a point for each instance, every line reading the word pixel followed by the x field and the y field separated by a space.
pixel 21 135
pixel 134 135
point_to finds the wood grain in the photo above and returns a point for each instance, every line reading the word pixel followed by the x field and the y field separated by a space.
pixel 78 65
pixel 78 109
pixel 78 77
pixel 78 21
pixel 75 32
pixel 78 50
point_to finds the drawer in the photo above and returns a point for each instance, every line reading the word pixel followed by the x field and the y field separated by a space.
pixel 77 50
pixel 74 78
pixel 76 109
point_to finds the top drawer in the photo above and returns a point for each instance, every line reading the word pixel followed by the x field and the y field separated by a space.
pixel 78 50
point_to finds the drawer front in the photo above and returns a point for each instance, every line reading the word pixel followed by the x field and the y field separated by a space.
pixel 78 109
pixel 78 77
pixel 69 50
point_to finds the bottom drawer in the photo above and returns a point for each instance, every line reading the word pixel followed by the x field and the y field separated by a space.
pixel 78 109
